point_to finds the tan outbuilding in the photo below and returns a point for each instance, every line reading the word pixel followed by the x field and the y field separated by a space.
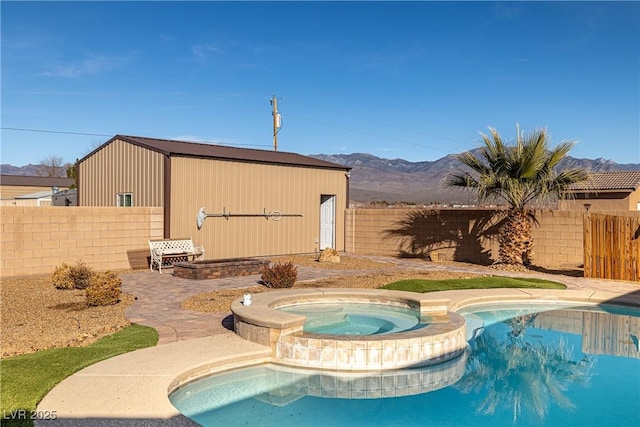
pixel 257 202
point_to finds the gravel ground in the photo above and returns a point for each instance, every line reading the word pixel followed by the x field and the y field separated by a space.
pixel 35 316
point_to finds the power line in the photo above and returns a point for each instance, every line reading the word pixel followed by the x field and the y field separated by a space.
pixel 303 118
pixel 110 135
pixel 55 131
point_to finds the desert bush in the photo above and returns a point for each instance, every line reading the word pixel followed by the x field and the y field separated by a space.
pixel 280 275
pixel 81 275
pixel 61 277
pixel 72 276
pixel 105 289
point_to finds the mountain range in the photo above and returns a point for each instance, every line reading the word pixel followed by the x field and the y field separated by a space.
pixel 397 180
pixel 376 179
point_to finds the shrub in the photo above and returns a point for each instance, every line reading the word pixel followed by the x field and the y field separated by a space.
pixel 72 276
pixel 81 275
pixel 61 277
pixel 280 275
pixel 105 289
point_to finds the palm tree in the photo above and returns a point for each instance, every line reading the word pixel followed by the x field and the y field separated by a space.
pixel 521 175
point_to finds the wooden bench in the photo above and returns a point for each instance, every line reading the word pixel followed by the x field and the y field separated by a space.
pixel 168 251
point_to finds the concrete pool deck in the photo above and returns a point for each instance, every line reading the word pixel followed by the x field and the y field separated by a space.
pixel 132 389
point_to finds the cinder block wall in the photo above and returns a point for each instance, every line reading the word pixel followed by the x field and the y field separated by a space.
pixel 36 239
pixel 558 239
pixel 469 235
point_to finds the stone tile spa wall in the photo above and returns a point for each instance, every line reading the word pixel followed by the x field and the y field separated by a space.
pixel 442 339
pixel 429 345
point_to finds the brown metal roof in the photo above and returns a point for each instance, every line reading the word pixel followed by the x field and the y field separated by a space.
pixel 192 149
pixel 35 181
pixel 607 181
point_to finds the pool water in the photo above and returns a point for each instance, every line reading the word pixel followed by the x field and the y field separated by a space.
pixel 523 367
pixel 355 318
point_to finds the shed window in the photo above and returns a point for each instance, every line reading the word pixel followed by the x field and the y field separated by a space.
pixel 125 199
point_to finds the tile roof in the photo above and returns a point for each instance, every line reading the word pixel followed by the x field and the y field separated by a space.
pixel 192 149
pixel 602 181
pixel 35 181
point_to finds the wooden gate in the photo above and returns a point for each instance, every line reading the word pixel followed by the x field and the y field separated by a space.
pixel 612 247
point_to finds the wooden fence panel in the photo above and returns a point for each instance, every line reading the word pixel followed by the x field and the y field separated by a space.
pixel 587 245
pixel 612 247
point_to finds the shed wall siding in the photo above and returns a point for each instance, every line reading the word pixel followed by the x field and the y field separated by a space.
pixel 252 188
pixel 121 167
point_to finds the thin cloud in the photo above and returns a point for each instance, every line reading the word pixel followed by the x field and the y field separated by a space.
pixel 203 52
pixel 388 59
pixel 61 93
pixel 89 66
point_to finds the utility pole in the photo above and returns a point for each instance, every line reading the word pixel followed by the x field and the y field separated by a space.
pixel 277 122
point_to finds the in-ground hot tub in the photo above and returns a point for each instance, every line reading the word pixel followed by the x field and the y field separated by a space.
pixel 357 318
pixel 438 335
pixel 218 268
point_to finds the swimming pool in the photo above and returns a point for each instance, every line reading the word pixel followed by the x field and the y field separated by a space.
pixel 525 365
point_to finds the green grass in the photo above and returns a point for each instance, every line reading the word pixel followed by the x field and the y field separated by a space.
pixel 26 379
pixel 423 285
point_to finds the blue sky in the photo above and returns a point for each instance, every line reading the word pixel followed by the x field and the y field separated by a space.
pixel 410 80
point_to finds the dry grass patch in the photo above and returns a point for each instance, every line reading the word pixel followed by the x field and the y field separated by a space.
pixel 35 316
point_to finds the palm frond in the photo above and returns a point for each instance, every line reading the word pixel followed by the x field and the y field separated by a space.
pixel 521 173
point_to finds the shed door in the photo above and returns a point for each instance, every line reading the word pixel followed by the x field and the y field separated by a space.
pixel 327 221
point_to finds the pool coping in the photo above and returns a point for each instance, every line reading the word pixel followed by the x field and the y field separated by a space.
pixel 134 388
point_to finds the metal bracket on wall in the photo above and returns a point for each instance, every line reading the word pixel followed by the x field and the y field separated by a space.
pixel 275 215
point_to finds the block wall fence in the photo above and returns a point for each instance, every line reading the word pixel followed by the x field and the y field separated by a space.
pixel 34 240
pixel 468 235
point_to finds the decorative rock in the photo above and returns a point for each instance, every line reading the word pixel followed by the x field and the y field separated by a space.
pixel 329 255
pixel 509 267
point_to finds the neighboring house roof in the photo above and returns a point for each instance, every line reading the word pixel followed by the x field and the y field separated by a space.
pixel 70 192
pixel 609 181
pixel 35 181
pixel 192 149
pixel 38 195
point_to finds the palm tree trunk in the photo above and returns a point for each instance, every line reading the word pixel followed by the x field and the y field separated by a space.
pixel 516 242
